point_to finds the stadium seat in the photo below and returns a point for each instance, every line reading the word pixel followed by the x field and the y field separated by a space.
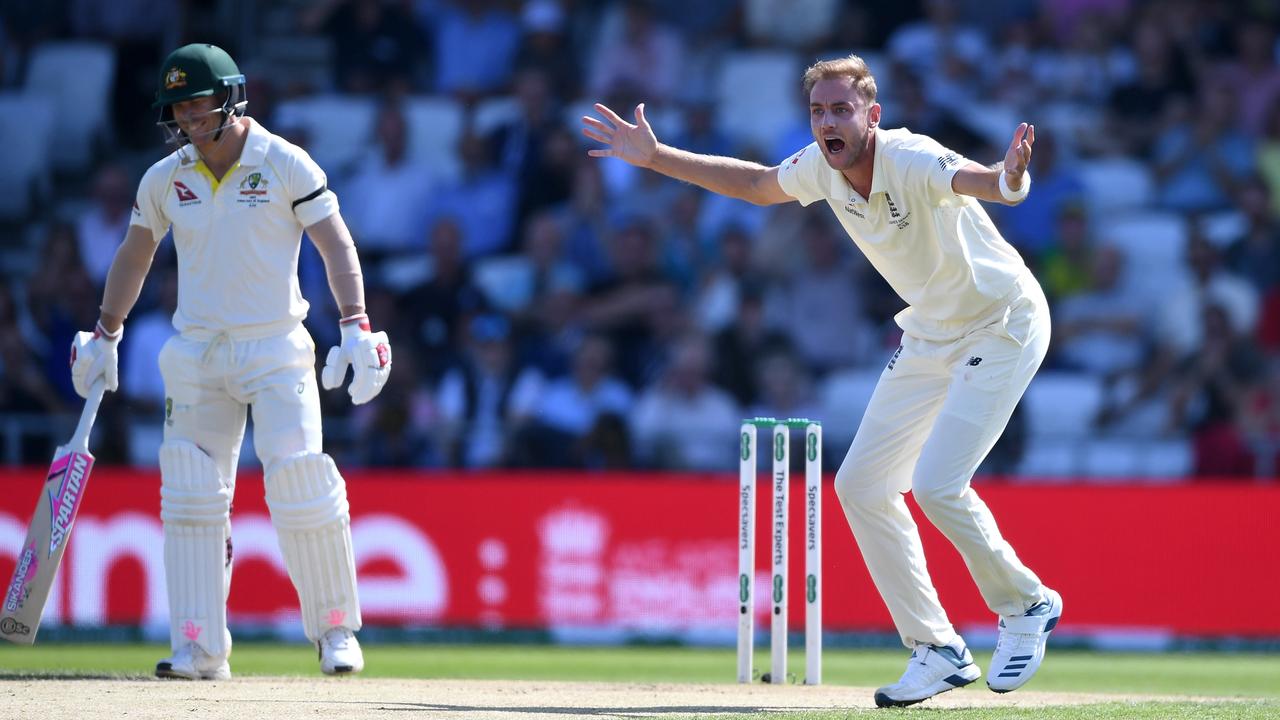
pixel 843 397
pixel 435 125
pixel 339 128
pixel 759 96
pixel 76 77
pixel 1154 244
pixel 26 133
pixel 1112 458
pixel 1062 406
pixel 1167 459
pixel 493 113
pixel 506 281
pixel 993 122
pixel 1115 184
pixel 1224 228
pixel 1049 459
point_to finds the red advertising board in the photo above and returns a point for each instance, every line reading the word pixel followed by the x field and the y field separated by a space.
pixel 656 554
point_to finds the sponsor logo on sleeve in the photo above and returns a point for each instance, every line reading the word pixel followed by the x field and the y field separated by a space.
pixel 948 160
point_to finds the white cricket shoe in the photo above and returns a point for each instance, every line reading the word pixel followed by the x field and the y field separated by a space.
pixel 932 669
pixel 340 652
pixel 191 662
pixel 1020 649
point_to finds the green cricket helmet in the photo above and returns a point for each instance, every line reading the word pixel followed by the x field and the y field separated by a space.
pixel 194 71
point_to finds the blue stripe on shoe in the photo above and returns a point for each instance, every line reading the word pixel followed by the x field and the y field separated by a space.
pixel 1019 658
pixel 957 680
pixel 1053 622
pixel 1015 667
pixel 1010 674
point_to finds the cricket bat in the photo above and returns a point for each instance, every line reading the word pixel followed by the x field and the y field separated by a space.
pixel 50 528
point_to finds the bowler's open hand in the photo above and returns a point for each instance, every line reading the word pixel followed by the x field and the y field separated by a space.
pixel 635 144
pixel 1019 154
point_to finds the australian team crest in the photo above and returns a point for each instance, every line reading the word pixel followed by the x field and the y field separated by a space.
pixel 253 189
pixel 175 78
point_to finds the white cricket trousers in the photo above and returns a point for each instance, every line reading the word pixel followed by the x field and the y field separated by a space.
pixel 935 414
pixel 211 384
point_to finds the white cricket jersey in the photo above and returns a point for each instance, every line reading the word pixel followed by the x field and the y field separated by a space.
pixel 938 250
pixel 237 239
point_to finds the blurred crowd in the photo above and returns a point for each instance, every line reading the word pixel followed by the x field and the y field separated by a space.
pixel 548 309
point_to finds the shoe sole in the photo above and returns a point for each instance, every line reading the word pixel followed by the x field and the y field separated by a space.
pixel 952 682
pixel 1038 658
pixel 166 672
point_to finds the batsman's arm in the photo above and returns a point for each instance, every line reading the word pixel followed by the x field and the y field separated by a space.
pixel 124 280
pixel 341 263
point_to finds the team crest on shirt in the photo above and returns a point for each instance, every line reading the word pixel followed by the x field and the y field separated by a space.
pixel 253 190
pixel 896 216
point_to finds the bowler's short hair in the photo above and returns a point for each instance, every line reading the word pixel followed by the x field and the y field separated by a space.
pixel 852 67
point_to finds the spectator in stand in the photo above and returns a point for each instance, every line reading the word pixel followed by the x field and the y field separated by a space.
pixel 629 306
pixel 821 306
pixel 942 50
pixel 545 48
pixel 482 200
pixel 1067 263
pixel 1089 64
pixel 1253 74
pixel 484 398
pixel 805 25
pixel 439 305
pixel 1204 283
pixel 1261 421
pixel 376 45
pixel 395 432
pixel 1255 255
pixel 1102 330
pixel 636 54
pixel 740 346
pixel 104 223
pixel 568 411
pixel 1027 224
pixel 1211 393
pixel 60 300
pixel 1201 162
pixel 24 386
pixel 586 221
pixel 785 387
pixel 139 32
pixel 384 199
pixel 1139 109
pixel 148 332
pixel 683 421
pixel 476 43
pixel 535 148
pixel 1269 154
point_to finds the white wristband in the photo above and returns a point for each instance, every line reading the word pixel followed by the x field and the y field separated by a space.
pixel 1015 195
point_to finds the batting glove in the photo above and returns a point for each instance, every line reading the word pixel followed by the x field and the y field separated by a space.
pixel 95 355
pixel 368 354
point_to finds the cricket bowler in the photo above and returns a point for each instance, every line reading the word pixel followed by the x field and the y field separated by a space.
pixel 238 199
pixel 974 334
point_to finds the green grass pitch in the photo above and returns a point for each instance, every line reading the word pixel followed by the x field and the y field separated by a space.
pixel 1243 685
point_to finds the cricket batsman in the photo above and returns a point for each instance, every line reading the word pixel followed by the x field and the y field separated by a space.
pixel 974 334
pixel 237 199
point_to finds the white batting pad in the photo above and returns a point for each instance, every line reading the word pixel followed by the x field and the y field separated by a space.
pixel 195 508
pixel 308 501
